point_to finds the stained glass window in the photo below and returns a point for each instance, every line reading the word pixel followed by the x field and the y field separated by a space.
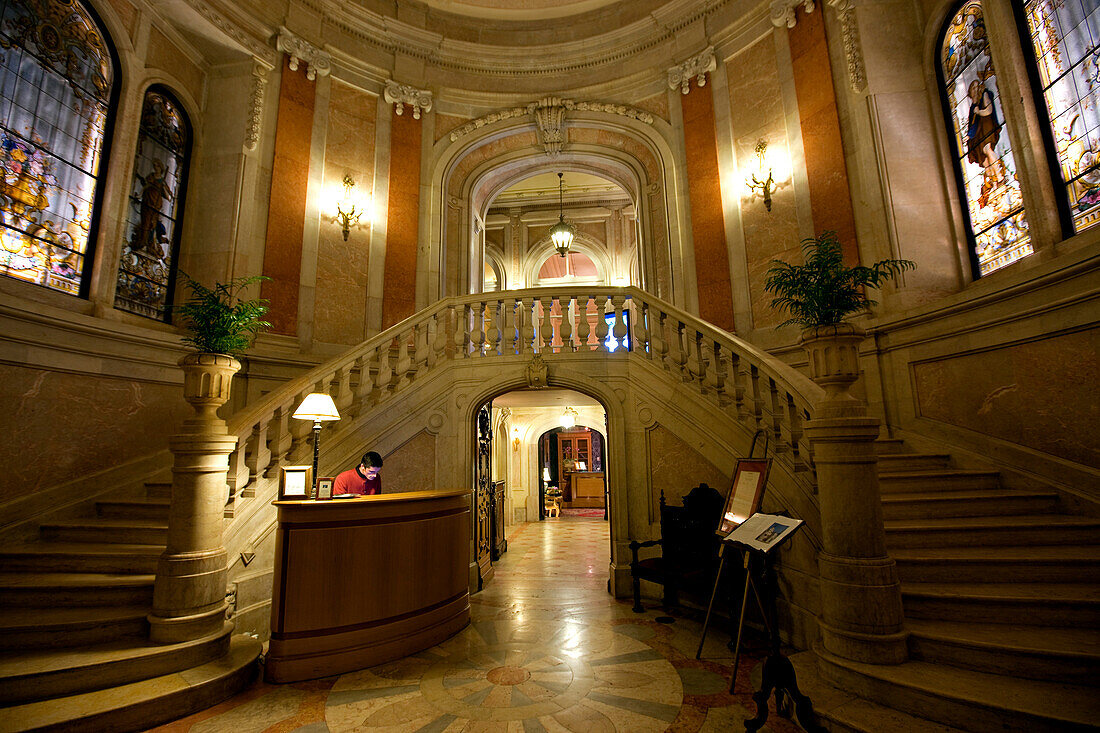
pixel 56 79
pixel 983 152
pixel 1065 36
pixel 147 267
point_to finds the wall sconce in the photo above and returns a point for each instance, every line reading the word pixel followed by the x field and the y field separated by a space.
pixel 515 438
pixel 569 418
pixel 349 207
pixel 772 179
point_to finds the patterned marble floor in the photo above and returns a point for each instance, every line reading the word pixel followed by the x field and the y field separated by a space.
pixel 548 650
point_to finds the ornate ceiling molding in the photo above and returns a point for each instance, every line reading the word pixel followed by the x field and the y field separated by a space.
pixel 694 68
pixel 853 51
pixel 783 11
pixel 403 94
pixel 299 50
pixel 233 30
pixel 548 103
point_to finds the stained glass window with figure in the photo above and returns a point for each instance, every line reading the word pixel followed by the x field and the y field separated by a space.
pixel 985 164
pixel 1065 38
pixel 147 267
pixel 56 85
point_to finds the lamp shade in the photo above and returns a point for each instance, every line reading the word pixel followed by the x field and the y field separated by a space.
pixel 568 418
pixel 546 474
pixel 318 407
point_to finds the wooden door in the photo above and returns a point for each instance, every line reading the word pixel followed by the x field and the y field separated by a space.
pixel 573 448
pixel 483 514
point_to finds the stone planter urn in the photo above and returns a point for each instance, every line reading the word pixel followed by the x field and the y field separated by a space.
pixel 207 379
pixel 833 353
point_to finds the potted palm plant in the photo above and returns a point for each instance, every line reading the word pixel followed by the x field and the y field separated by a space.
pixel 820 295
pixel 219 326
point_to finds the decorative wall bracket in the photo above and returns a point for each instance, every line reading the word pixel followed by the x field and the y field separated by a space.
pixel 299 50
pixel 550 121
pixel 783 11
pixel 537 373
pixel 402 94
pixel 694 68
pixel 566 105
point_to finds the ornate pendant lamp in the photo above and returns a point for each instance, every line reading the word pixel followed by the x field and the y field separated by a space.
pixel 562 233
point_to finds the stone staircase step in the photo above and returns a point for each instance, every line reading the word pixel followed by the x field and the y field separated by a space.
pixel 113 531
pixel 62 626
pixel 140 705
pixel 1011 531
pixel 27 676
pixel 77 557
pixel 156 509
pixel 158 490
pixel 75 589
pixel 967 699
pixel 1036 604
pixel 984 503
pixel 992 564
pixel 889 446
pixel 910 462
pixel 1044 653
pixel 953 479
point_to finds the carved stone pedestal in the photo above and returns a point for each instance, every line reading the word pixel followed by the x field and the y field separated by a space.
pixel 189 591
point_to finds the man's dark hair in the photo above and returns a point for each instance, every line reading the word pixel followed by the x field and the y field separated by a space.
pixel 372 460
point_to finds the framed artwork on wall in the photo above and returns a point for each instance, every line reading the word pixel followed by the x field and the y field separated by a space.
pixel 745 494
pixel 295 482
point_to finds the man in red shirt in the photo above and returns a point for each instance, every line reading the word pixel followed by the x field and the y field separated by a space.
pixel 363 479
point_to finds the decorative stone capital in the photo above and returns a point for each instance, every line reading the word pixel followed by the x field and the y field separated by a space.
pixel 783 11
pixel 694 68
pixel 299 50
pixel 402 94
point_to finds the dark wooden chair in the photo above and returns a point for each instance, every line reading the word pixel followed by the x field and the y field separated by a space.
pixel 689 548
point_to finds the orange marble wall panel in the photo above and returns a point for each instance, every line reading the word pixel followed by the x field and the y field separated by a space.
pixel 163 54
pixel 72 425
pixel 403 221
pixel 342 267
pixel 708 225
pixel 286 214
pixel 1040 394
pixel 830 194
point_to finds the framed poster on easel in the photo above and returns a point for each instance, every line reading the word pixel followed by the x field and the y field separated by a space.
pixel 745 494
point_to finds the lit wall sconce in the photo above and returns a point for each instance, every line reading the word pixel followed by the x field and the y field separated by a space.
pixel 350 206
pixel 569 418
pixel 769 175
pixel 515 438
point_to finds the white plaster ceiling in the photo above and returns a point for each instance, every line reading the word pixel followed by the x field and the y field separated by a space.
pixel 526 398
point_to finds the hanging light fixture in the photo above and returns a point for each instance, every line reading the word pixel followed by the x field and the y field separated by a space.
pixel 568 418
pixel 562 233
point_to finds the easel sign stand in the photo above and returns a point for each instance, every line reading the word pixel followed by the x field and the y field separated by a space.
pixel 759 536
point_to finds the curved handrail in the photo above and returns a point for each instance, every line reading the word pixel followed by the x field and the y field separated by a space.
pixel 762 390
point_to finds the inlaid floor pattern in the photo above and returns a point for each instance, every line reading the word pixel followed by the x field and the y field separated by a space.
pixel 548 649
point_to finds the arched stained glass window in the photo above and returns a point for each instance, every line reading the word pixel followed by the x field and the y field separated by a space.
pixel 985 164
pixel 56 84
pixel 147 268
pixel 1065 38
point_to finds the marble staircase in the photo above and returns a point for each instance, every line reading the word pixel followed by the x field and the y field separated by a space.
pixel 74 647
pixel 1001 591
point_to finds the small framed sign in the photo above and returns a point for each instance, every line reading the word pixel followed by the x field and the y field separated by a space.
pixel 746 492
pixel 324 488
pixel 295 482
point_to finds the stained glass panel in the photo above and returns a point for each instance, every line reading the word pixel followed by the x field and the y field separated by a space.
pixel 56 77
pixel 148 255
pixel 984 152
pixel 1065 36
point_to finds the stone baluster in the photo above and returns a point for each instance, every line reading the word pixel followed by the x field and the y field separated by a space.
pixel 601 323
pixel 691 349
pixel 641 330
pixel 860 593
pixel 384 374
pixel 422 357
pixel 237 476
pixel 364 389
pixel 494 330
pixel 342 396
pixel 794 425
pixel 404 359
pixel 280 439
pixel 757 403
pixel 565 331
pixel 716 371
pixel 461 331
pixel 620 331
pixel 189 590
pixel 524 327
pixel 659 341
pixel 676 356
pixel 738 380
pixel 776 410
pixel 439 338
pixel 258 456
pixel 584 328
pixel 546 330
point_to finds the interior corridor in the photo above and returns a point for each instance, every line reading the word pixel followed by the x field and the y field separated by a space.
pixel 548 649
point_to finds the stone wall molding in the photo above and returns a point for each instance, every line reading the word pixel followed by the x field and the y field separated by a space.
pixel 696 68
pixel 255 105
pixel 783 11
pixel 317 62
pixel 853 51
pixel 258 48
pixel 400 95
pixel 566 105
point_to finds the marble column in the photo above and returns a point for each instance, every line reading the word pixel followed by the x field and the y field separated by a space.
pixel 860 592
pixel 189 591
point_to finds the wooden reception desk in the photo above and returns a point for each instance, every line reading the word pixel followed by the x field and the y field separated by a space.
pixel 367 580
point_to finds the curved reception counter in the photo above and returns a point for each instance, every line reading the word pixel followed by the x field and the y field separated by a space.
pixel 367 580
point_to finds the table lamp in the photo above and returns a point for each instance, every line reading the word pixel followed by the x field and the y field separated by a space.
pixel 319 408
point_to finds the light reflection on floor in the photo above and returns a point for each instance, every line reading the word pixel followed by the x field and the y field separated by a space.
pixel 548 649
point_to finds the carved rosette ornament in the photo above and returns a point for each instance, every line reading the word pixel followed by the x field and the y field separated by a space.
pixel 696 68
pixel 299 50
pixel 402 94
pixel 783 11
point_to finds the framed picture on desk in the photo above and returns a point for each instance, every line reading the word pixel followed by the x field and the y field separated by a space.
pixel 746 492
pixel 295 482
pixel 324 488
